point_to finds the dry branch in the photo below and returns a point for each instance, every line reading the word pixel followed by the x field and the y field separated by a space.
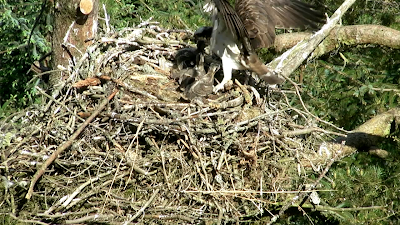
pixel 365 138
pixel 343 36
pixel 292 59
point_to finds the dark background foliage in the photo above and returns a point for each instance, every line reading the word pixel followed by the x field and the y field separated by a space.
pixel 18 18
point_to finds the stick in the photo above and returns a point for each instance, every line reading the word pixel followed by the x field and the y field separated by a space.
pixel 138 213
pixel 60 149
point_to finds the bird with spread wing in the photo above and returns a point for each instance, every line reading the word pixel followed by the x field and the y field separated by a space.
pixel 238 32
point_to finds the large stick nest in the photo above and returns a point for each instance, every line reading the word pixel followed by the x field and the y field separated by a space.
pixel 150 155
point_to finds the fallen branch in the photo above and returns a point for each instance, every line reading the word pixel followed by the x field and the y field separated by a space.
pixel 365 138
pixel 343 36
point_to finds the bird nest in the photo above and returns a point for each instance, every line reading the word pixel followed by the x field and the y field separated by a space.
pixel 118 141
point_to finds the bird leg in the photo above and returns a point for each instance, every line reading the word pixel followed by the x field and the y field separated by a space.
pixel 227 69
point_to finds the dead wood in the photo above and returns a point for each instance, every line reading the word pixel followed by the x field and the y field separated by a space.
pixel 341 36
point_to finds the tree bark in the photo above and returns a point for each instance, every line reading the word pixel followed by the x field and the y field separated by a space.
pixel 365 138
pixel 343 36
pixel 71 29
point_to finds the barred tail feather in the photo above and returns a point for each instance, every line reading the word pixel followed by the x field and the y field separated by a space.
pixel 262 70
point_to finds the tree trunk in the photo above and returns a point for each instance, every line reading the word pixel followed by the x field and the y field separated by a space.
pixel 71 29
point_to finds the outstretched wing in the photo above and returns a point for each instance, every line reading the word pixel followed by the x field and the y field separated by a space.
pixel 234 23
pixel 261 17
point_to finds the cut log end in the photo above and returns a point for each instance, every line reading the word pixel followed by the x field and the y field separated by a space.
pixel 86 6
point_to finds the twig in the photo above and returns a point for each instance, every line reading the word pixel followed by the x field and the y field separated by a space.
pixel 359 82
pixel 94 191
pixel 60 149
pixel 308 112
pixel 66 214
pixel 303 194
pixel 58 102
pixel 169 217
pixel 25 221
pixel 107 19
pixel 82 186
pixel 128 161
pixel 111 185
pixel 26 139
pixel 308 131
pixel 93 218
pixel 138 213
pixel 162 153
pixel 328 208
pixel 66 200
pixel 222 192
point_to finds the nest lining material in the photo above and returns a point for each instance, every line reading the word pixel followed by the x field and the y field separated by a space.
pixel 149 155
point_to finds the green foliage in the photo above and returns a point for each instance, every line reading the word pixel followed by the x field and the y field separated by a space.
pixel 16 56
pixel 347 88
pixel 365 181
pixel 351 87
pixel 364 190
pixel 384 12
pixel 178 14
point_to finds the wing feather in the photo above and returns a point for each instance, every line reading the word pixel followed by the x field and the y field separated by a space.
pixel 234 24
pixel 261 17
